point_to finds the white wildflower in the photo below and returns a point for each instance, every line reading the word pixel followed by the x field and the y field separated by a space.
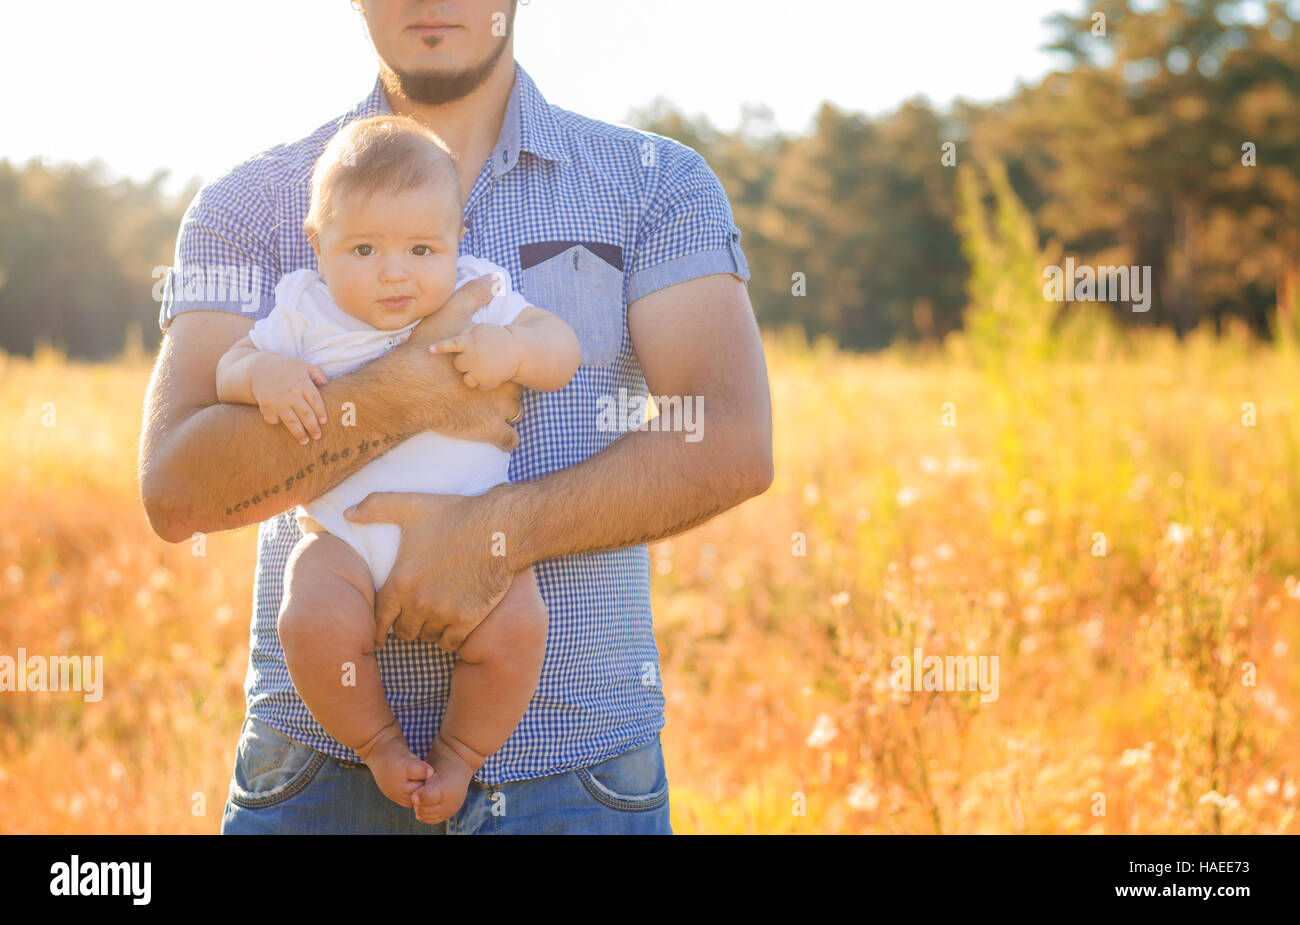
pixel 823 733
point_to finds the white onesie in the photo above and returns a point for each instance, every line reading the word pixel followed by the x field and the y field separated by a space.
pixel 307 323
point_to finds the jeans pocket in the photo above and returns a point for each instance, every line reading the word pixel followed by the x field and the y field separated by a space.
pixel 269 766
pixel 635 781
pixel 582 282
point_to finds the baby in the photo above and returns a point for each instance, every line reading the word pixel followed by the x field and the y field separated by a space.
pixel 385 223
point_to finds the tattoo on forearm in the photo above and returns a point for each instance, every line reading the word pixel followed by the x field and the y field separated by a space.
pixel 320 463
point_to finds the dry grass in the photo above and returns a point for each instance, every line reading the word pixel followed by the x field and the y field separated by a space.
pixel 1121 675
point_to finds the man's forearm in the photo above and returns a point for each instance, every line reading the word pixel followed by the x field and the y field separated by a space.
pixel 229 468
pixel 646 486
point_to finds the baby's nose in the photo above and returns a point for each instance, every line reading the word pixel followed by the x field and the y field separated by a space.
pixel 392 269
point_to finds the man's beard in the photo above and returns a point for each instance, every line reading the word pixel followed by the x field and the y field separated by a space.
pixel 434 88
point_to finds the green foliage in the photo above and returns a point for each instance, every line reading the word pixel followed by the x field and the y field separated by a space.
pixel 1008 319
pixel 77 253
pixel 1141 153
pixel 1010 325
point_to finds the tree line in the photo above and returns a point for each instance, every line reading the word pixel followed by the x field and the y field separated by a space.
pixel 1169 139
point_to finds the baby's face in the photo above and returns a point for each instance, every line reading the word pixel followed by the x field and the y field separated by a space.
pixel 390 259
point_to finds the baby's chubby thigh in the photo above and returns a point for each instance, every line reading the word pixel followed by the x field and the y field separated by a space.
pixel 514 631
pixel 329 601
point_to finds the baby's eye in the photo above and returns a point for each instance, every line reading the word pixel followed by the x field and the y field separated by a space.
pixel 421 250
pixel 363 250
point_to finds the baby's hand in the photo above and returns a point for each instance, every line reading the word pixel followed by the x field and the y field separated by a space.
pixel 489 355
pixel 285 389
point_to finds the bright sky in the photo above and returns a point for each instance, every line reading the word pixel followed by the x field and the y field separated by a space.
pixel 197 87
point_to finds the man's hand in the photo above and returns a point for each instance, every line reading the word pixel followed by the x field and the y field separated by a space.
pixel 477 414
pixel 491 416
pixel 447 576
pixel 455 314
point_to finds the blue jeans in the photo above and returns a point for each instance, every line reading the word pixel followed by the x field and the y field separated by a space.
pixel 281 787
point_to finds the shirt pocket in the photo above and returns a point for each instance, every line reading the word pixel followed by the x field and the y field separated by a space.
pixel 581 282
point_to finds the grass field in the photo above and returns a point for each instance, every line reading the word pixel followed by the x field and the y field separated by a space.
pixel 1119 532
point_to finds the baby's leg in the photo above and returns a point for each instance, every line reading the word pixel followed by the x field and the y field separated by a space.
pixel 327 629
pixel 495 677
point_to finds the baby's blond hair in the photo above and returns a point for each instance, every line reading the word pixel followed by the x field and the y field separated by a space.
pixel 389 153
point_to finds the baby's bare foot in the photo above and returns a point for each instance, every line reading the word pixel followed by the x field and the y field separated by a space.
pixel 398 772
pixel 442 795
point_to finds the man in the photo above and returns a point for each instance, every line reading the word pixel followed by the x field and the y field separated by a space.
pixel 629 237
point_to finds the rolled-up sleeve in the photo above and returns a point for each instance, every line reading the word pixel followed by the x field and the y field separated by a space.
pixel 688 229
pixel 225 258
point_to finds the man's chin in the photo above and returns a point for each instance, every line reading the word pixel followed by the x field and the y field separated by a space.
pixel 434 80
pixel 429 74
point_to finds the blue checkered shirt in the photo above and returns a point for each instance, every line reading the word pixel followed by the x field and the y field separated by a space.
pixel 587 217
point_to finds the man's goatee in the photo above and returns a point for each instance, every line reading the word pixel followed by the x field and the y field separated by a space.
pixel 433 88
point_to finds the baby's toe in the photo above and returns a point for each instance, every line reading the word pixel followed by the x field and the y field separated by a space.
pixel 430 813
pixel 411 788
pixel 426 794
pixel 417 770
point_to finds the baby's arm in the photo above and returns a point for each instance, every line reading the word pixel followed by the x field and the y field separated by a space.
pixel 538 350
pixel 548 350
pixel 283 387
